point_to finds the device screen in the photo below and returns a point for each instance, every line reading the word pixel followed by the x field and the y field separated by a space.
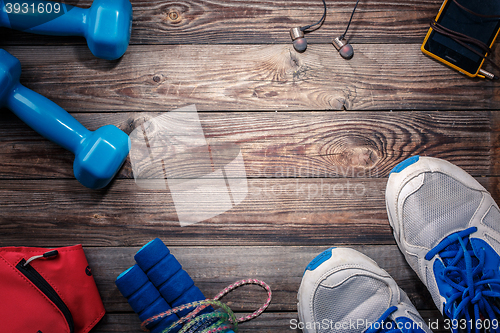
pixel 457 19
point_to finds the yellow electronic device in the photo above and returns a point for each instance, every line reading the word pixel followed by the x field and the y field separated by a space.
pixel 457 21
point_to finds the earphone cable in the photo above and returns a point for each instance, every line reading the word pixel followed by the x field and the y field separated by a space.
pixel 350 20
pixel 463 41
pixel 304 28
pixel 474 13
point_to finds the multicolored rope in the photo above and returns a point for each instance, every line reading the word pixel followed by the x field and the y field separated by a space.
pixel 219 320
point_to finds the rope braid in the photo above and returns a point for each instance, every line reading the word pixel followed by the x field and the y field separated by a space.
pixel 216 321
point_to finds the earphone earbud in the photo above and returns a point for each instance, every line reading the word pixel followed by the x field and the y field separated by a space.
pixel 299 42
pixel 343 47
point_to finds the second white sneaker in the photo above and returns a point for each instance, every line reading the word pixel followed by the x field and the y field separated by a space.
pixel 343 290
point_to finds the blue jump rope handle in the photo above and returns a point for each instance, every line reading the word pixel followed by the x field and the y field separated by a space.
pixel 144 298
pixel 167 275
pixel 168 279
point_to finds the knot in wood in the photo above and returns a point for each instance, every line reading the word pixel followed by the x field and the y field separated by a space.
pixel 354 151
pixel 174 16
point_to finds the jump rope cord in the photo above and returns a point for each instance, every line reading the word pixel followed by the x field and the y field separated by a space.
pixel 240 283
pixel 215 321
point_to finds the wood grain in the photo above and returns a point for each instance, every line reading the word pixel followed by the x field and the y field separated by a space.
pixel 266 323
pixel 214 268
pixel 281 145
pixel 251 77
pixel 318 136
pixel 281 212
pixel 281 322
pixel 260 22
pixel 275 212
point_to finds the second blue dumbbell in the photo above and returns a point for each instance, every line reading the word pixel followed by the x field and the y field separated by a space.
pixel 106 24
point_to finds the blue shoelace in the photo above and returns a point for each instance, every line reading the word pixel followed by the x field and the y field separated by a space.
pixel 385 325
pixel 473 298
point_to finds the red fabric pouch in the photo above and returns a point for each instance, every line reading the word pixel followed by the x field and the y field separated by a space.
pixel 52 294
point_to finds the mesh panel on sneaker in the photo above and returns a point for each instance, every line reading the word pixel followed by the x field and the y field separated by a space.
pixel 404 298
pixel 440 206
pixel 358 298
pixel 493 242
pixel 418 322
pixel 412 260
pixel 432 287
pixel 492 219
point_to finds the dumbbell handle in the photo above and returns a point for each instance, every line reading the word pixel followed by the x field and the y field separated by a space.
pixel 47 118
pixel 71 21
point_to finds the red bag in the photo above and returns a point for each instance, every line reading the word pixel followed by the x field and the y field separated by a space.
pixel 55 293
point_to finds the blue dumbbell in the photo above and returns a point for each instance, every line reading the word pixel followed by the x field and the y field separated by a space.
pixel 166 273
pixel 144 298
pixel 106 25
pixel 98 155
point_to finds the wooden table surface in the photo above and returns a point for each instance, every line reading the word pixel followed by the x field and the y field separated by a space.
pixel 310 127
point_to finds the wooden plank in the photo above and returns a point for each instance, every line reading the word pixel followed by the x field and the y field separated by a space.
pixel 261 22
pixel 275 212
pixel 252 78
pixel 267 323
pixel 283 144
pixel 272 322
pixel 214 268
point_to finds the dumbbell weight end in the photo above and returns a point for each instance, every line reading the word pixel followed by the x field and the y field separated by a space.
pixel 33 16
pixel 106 25
pixel 98 155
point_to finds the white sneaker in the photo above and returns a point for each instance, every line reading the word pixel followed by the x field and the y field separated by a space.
pixel 448 228
pixel 343 290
